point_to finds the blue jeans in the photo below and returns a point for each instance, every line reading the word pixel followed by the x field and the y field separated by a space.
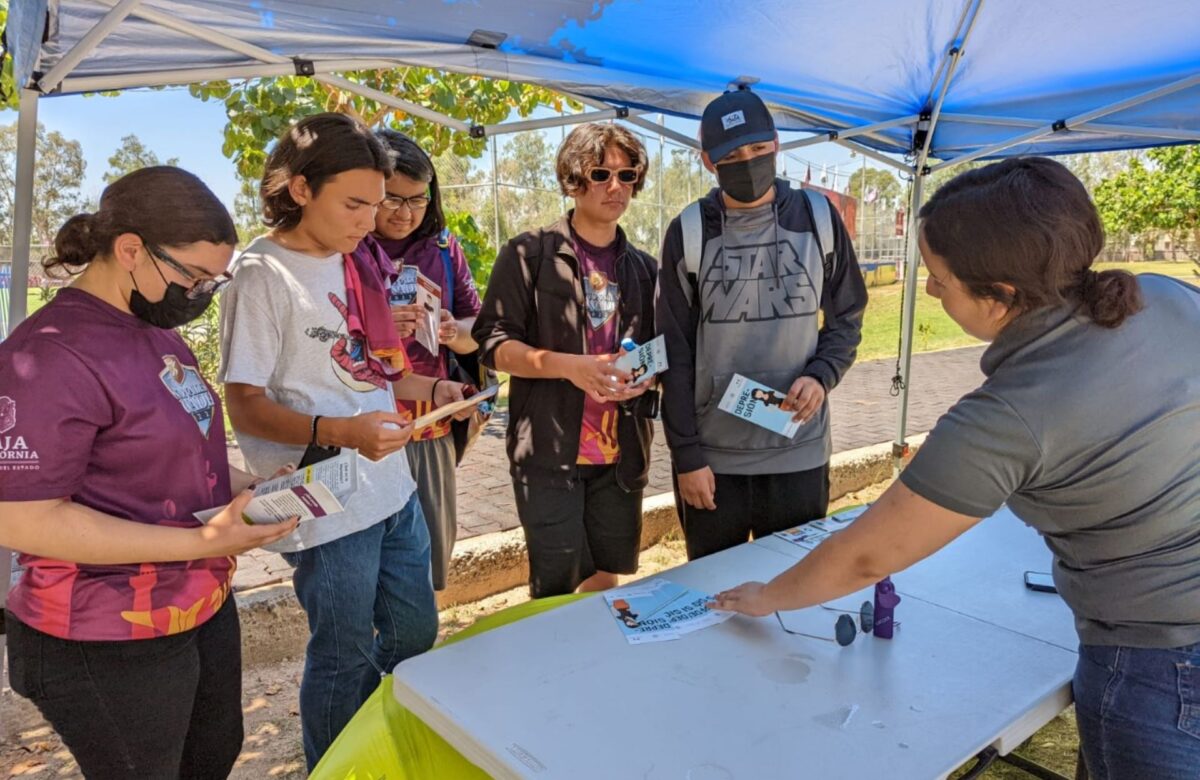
pixel 1138 711
pixel 369 600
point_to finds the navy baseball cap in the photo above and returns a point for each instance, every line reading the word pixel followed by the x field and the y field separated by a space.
pixel 734 119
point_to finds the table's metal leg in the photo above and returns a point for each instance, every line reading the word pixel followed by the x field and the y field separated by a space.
pixel 1035 769
pixel 986 758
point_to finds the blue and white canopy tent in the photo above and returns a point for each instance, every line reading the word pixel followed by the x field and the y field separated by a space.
pixel 937 82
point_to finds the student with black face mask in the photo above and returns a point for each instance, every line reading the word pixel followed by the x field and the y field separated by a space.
pixel 746 274
pixel 122 629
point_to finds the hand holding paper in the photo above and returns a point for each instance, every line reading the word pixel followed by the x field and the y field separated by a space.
pixel 226 533
pixel 442 412
pixel 645 361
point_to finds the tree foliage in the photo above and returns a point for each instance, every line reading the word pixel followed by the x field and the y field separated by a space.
pixel 888 190
pixel 131 155
pixel 1160 194
pixel 58 174
pixel 8 88
pixel 260 110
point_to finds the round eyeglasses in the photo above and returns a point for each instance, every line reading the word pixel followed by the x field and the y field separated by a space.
pixel 414 202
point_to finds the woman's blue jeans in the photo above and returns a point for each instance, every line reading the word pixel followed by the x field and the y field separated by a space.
pixel 1138 711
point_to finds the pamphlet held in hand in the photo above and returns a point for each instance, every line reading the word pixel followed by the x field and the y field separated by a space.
pixel 644 361
pixel 442 412
pixel 315 491
pixel 412 286
pixel 756 403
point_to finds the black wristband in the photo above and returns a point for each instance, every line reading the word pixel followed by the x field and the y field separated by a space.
pixel 433 390
pixel 313 438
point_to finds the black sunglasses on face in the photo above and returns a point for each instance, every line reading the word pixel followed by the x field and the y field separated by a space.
pixel 199 287
pixel 601 175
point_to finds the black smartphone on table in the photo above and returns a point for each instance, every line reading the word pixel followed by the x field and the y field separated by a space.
pixel 1040 581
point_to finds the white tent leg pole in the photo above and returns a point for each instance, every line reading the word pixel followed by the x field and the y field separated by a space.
pixel 22 229
pixel 908 311
pixel 23 207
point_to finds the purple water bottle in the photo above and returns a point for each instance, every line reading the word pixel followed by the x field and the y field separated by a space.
pixel 886 600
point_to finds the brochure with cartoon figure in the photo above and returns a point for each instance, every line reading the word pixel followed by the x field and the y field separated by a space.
pixel 645 361
pixel 412 286
pixel 758 404
pixel 659 611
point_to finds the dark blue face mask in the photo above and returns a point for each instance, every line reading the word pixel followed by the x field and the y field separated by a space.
pixel 747 180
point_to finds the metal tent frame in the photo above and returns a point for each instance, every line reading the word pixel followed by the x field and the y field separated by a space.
pixel 484 60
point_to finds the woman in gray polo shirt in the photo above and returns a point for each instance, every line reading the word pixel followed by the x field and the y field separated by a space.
pixel 1088 426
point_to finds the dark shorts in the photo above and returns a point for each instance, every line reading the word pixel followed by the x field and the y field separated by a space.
pixel 573 532
pixel 753 505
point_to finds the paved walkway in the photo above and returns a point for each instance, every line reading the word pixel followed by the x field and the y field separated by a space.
pixel 863 409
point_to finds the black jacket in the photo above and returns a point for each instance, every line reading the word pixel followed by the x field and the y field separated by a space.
pixel 535 296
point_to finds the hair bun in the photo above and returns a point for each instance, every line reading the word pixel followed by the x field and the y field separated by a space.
pixel 1109 296
pixel 74 244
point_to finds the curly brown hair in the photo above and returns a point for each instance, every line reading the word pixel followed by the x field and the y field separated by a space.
pixel 584 149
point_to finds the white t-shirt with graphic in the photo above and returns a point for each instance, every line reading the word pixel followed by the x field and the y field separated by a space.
pixel 283 328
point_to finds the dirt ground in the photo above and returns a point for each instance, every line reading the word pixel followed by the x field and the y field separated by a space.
pixel 271 708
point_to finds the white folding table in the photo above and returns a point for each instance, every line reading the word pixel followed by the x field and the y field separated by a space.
pixel 562 695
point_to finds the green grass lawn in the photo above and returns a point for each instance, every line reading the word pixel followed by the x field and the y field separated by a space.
pixel 935 330
pixel 33 301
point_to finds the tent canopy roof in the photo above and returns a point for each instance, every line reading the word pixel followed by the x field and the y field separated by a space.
pixel 1021 65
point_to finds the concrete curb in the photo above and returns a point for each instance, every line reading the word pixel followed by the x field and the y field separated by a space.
pixel 274 626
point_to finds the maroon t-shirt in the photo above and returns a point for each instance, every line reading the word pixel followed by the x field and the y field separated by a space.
pixel 598 266
pixel 100 407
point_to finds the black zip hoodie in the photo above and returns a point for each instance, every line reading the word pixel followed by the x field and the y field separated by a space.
pixel 535 296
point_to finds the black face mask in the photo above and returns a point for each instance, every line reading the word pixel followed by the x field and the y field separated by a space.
pixel 175 308
pixel 747 180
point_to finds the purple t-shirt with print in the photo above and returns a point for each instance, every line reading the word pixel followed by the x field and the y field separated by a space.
pixel 99 407
pixel 598 267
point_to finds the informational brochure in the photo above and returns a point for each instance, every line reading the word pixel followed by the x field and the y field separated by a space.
pixel 645 361
pixel 410 287
pixel 310 492
pixel 758 404
pixel 660 611
pixel 442 412
pixel 811 534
